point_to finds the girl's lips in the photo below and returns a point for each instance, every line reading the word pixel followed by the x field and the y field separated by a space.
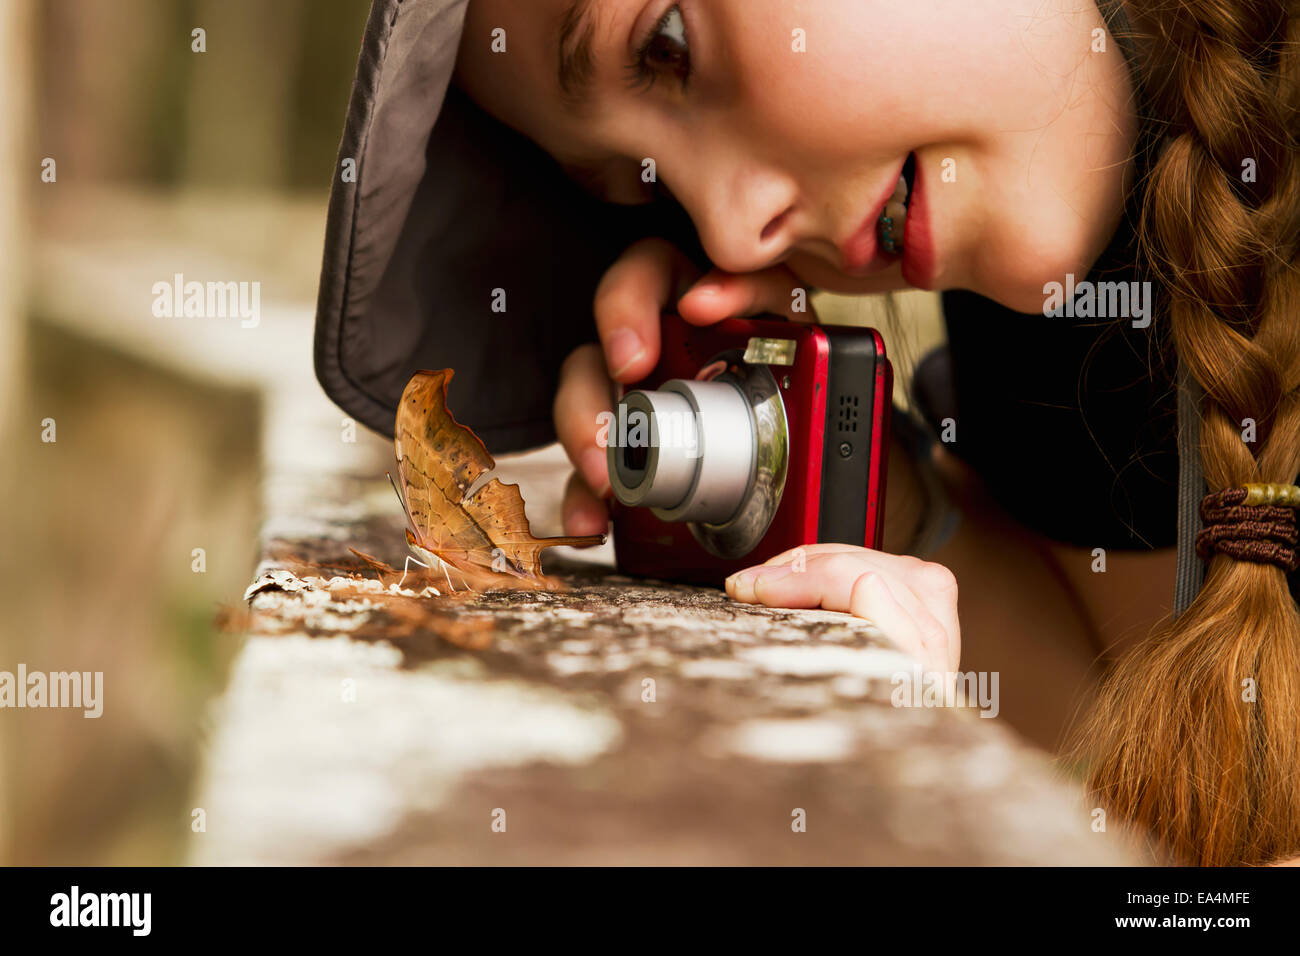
pixel 860 254
pixel 918 243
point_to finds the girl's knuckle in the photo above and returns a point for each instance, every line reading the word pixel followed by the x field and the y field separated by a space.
pixel 938 578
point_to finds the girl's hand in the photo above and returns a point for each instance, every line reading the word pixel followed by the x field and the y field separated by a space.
pixel 649 277
pixel 913 602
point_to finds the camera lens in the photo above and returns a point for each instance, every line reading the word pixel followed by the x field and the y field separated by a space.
pixel 634 459
pixel 686 449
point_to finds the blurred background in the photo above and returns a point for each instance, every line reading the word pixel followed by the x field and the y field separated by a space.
pixel 136 446
pixel 129 538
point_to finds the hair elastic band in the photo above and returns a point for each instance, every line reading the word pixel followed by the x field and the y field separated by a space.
pixel 1256 522
pixel 1286 496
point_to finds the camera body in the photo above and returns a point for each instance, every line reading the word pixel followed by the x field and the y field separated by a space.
pixel 750 437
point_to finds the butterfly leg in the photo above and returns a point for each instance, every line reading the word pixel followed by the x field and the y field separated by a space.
pixel 407 566
pixel 442 563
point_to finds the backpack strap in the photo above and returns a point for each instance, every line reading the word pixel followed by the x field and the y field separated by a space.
pixel 1191 489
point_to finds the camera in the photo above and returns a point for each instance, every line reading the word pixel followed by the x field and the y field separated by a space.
pixel 750 437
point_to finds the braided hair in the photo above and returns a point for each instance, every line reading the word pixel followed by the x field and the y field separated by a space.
pixel 1195 735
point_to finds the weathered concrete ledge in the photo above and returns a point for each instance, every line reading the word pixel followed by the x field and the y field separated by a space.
pixel 622 721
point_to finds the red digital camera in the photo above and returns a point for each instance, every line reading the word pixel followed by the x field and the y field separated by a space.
pixel 750 437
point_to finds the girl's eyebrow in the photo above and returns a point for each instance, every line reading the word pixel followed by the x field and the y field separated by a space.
pixel 576 63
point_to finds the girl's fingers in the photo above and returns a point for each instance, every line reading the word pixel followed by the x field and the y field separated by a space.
pixel 584 392
pixel 844 583
pixel 820 583
pixel 720 295
pixel 629 299
pixel 785 557
pixel 924 592
pixel 827 581
pixel 934 581
pixel 918 576
pixel 583 512
pixel 874 600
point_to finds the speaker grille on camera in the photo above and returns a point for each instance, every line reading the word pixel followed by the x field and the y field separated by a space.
pixel 848 417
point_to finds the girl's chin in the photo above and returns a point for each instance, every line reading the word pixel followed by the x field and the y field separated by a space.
pixel 826 278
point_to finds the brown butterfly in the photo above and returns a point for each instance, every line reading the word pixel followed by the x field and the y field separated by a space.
pixel 484 536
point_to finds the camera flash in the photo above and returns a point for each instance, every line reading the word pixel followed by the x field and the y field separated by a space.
pixel 760 351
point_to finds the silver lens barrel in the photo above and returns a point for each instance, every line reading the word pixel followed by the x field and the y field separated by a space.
pixel 686 450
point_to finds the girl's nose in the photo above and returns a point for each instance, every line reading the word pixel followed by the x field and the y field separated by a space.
pixel 745 217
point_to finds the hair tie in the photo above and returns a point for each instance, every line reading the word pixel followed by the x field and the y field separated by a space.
pixel 1256 522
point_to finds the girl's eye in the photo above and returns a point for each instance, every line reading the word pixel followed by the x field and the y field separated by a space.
pixel 665 50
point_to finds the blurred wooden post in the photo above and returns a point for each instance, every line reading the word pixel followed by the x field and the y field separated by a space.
pixel 22 167
pixel 105 80
pixel 239 115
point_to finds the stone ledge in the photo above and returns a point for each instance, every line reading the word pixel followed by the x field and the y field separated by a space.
pixel 353 734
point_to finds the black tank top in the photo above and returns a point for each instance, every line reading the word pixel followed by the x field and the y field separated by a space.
pixel 1072 422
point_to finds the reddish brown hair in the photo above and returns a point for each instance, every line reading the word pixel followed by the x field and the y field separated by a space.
pixel 1174 743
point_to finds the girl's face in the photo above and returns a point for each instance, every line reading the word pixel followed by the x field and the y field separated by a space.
pixel 783 127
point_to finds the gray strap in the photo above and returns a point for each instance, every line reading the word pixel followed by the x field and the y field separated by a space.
pixel 1191 479
pixel 942 517
pixel 1191 489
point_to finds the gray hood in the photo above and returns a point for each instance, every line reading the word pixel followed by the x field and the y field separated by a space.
pixel 447 206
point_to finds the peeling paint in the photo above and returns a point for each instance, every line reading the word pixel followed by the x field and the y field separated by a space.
pixel 277 579
pixel 852 686
pixel 716 668
pixel 811 740
pixel 814 660
pixel 569 664
pixel 299 771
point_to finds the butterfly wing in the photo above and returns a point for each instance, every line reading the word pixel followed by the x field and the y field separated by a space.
pixel 499 510
pixel 438 460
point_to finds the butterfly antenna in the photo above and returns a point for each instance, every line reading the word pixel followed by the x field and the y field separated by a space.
pixel 405 509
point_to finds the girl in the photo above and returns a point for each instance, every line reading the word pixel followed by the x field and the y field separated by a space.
pixel 993 150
